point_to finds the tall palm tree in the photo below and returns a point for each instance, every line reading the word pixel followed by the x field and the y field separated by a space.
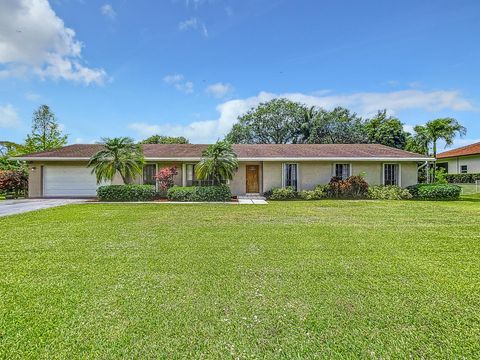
pixel 219 162
pixel 120 155
pixel 443 129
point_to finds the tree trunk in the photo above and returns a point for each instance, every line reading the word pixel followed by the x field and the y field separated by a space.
pixel 435 162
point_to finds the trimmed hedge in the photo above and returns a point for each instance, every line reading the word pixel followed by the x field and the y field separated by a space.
pixel 320 192
pixel 388 192
pixel 435 191
pixel 462 178
pixel 126 193
pixel 200 193
pixel 287 193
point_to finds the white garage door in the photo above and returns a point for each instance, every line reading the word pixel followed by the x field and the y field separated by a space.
pixel 74 181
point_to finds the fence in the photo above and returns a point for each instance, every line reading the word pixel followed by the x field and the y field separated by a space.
pixel 468 189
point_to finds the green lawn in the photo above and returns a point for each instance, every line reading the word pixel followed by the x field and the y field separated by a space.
pixel 326 279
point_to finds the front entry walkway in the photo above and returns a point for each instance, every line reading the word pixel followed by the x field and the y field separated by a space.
pixel 250 199
pixel 12 207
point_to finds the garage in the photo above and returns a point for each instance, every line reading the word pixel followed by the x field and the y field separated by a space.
pixel 68 181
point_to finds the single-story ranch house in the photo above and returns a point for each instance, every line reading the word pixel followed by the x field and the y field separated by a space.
pixel 464 160
pixel 63 172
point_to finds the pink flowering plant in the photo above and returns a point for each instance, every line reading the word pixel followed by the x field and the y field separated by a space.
pixel 165 177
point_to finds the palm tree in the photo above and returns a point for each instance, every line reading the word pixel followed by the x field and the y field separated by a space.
pixel 443 129
pixel 120 155
pixel 219 162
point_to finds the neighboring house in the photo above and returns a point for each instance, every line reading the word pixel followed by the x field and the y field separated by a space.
pixel 464 160
pixel 63 172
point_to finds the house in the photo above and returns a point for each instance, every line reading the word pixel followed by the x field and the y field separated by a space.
pixel 63 172
pixel 463 160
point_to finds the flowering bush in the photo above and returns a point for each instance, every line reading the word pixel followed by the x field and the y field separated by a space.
pixel 165 177
pixel 14 182
pixel 354 187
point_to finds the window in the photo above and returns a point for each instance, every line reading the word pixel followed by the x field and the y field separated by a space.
pixel 391 175
pixel 290 175
pixel 463 169
pixel 342 171
pixel 149 174
pixel 192 179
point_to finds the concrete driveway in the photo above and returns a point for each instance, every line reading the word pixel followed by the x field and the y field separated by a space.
pixel 11 207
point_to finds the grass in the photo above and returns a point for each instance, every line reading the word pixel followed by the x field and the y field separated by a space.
pixel 326 279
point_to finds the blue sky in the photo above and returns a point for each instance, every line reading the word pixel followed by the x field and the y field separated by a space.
pixel 190 67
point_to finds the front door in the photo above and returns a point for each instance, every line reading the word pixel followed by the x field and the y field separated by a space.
pixel 252 179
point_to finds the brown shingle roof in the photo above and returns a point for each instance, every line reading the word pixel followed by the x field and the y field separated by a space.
pixel 250 151
pixel 472 149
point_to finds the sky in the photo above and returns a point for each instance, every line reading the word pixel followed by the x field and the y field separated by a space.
pixel 191 67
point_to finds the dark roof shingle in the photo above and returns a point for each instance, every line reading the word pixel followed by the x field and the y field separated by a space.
pixel 250 151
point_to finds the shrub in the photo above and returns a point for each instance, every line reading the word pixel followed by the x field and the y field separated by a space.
pixel 287 193
pixel 435 191
pixel 462 178
pixel 199 193
pixel 355 187
pixel 126 193
pixel 358 187
pixel 14 182
pixel 320 192
pixel 165 177
pixel 388 192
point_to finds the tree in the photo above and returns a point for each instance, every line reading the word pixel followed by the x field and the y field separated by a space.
pixel 339 126
pixel 272 122
pixel 7 150
pixel 386 130
pixel 443 129
pixel 219 162
pixel 160 139
pixel 120 155
pixel 46 134
pixel 419 142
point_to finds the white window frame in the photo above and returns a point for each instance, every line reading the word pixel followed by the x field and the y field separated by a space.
pixel 334 168
pixel 156 172
pixel 298 174
pixel 466 169
pixel 399 173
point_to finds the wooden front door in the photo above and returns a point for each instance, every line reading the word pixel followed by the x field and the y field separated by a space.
pixel 252 179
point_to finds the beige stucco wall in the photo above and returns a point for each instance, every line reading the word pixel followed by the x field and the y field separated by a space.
pixel 454 164
pixel 270 174
pixel 313 173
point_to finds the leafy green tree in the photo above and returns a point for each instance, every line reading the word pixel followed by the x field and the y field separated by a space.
pixel 273 122
pixel 219 162
pixel 386 130
pixel 419 142
pixel 338 126
pixel 7 150
pixel 160 139
pixel 120 155
pixel 46 134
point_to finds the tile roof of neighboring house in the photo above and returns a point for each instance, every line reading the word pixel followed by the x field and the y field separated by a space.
pixel 472 149
pixel 243 151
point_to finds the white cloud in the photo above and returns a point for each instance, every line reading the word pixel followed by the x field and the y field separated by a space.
pixel 193 24
pixel 31 96
pixel 364 103
pixel 219 90
pixel 108 11
pixel 178 81
pixel 8 117
pixel 33 39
